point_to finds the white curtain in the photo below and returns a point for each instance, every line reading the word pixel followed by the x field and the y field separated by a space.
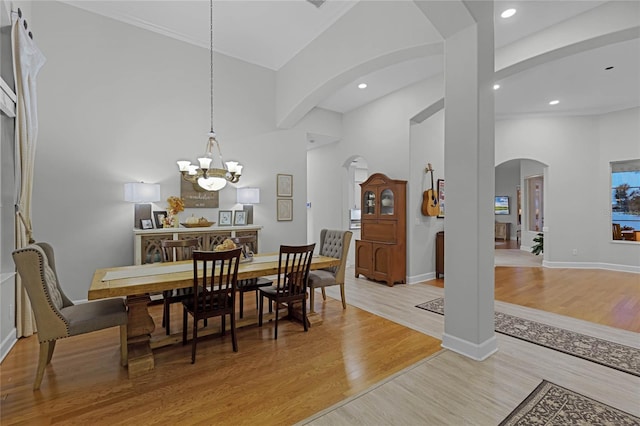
pixel 27 61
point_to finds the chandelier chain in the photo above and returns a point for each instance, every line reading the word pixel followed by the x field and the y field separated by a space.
pixel 211 57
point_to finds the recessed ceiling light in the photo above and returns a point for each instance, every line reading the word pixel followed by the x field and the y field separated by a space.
pixel 362 86
pixel 554 102
pixel 496 86
pixel 508 13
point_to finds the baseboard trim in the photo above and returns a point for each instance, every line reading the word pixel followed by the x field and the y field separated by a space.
pixel 421 278
pixel 475 351
pixel 592 265
pixel 8 343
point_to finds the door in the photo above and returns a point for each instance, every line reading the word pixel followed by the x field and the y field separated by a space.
pixel 363 258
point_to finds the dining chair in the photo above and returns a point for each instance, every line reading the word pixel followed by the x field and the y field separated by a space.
pixel 294 263
pixel 175 251
pixel 248 245
pixel 333 243
pixel 617 231
pixel 213 294
pixel 57 316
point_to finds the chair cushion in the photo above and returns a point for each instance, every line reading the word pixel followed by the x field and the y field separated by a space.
pixel 321 278
pixel 95 315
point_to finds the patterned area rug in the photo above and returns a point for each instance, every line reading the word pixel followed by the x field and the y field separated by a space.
pixel 550 404
pixel 610 354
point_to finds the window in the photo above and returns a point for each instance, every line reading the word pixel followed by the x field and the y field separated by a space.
pixel 625 198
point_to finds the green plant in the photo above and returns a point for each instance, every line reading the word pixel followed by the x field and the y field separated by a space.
pixel 538 247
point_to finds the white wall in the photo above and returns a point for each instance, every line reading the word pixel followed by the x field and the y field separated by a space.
pixel 619 137
pixel 380 132
pixel 569 151
pixel 427 146
pixel 120 104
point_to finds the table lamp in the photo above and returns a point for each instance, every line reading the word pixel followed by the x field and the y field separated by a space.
pixel 142 194
pixel 248 197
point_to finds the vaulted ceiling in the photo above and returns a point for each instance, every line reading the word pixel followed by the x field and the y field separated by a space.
pixel 271 33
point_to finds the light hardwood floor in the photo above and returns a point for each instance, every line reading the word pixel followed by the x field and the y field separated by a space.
pixel 356 368
pixel 449 389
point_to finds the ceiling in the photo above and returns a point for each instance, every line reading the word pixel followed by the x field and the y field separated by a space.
pixel 270 33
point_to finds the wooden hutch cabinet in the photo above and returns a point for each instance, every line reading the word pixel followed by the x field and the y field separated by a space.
pixel 381 251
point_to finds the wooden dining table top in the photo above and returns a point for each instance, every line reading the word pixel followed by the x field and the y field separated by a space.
pixel 157 277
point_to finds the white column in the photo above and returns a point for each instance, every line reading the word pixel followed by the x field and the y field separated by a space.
pixel 469 182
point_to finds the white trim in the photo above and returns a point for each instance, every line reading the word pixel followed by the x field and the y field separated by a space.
pixel 478 352
pixel 420 278
pixel 592 265
pixel 8 343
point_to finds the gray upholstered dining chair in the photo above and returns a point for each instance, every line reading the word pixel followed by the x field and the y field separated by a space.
pixel 57 316
pixel 333 243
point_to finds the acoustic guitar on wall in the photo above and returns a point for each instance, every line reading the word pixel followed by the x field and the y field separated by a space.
pixel 430 205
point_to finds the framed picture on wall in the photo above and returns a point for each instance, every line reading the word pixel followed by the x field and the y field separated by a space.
pixel 441 197
pixel 285 209
pixel 284 185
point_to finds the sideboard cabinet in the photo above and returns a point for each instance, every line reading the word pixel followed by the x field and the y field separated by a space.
pixel 502 231
pixel 381 249
pixel 147 242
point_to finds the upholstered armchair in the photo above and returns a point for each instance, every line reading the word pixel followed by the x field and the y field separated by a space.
pixel 333 243
pixel 56 316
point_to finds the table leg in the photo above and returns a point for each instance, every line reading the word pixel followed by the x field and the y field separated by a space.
pixel 139 328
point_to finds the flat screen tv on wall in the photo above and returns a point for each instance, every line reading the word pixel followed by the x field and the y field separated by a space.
pixel 502 205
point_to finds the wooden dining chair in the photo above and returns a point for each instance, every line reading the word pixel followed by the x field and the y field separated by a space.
pixel 175 251
pixel 213 294
pixel 248 245
pixel 333 243
pixel 57 316
pixel 294 263
pixel 617 231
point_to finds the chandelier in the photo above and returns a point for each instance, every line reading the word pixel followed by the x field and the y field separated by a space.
pixel 205 176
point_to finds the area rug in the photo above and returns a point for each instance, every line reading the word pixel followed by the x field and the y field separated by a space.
pixel 550 404
pixel 604 352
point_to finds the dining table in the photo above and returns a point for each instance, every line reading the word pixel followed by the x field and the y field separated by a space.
pixel 137 282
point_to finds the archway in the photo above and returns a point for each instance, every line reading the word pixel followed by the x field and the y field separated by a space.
pixel 520 210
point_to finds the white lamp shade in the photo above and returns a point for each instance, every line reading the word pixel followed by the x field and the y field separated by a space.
pixel 140 192
pixel 248 195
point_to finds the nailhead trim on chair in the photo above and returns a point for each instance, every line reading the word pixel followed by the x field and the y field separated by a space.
pixel 41 258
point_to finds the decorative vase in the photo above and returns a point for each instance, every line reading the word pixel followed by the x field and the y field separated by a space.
pixel 176 221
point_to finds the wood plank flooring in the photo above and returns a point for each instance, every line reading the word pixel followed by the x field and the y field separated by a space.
pixel 450 389
pixel 268 382
pixel 356 368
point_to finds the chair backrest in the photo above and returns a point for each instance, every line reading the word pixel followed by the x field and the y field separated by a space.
pixel 36 266
pixel 294 263
pixel 215 289
pixel 617 231
pixel 177 250
pixel 247 243
pixel 335 243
